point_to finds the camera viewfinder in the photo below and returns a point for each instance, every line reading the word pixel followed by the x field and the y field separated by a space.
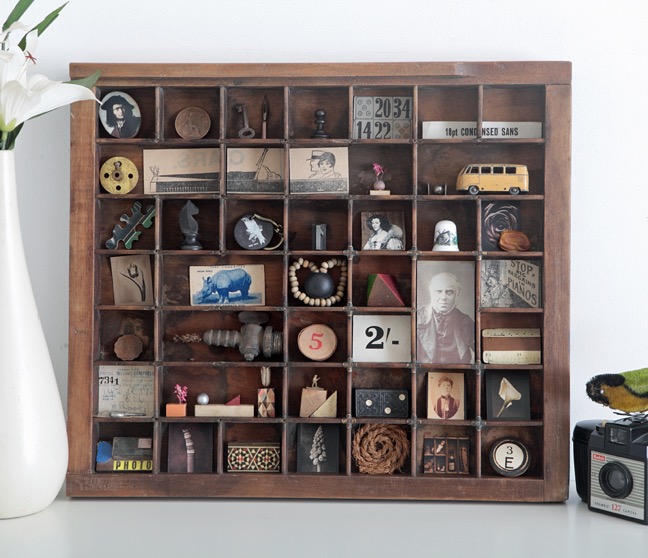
pixel 618 435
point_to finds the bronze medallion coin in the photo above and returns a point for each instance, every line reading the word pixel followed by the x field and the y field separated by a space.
pixel 192 123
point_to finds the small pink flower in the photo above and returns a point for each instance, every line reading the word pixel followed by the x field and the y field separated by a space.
pixel 379 170
pixel 181 393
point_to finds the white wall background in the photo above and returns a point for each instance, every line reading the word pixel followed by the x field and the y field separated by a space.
pixel 607 42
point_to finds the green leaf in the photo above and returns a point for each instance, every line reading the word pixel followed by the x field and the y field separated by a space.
pixel 49 19
pixel 19 9
pixel 11 137
pixel 87 81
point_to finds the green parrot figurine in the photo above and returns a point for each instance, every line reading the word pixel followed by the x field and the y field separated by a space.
pixel 627 392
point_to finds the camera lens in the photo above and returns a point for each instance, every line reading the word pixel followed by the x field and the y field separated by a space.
pixel 615 480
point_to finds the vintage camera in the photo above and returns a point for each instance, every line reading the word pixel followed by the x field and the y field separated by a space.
pixel 611 473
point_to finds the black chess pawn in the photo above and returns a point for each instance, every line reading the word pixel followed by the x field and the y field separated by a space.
pixel 320 119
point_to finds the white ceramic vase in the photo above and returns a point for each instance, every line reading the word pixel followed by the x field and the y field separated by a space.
pixel 33 437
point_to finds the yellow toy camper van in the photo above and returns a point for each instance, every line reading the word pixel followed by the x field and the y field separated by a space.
pixel 488 177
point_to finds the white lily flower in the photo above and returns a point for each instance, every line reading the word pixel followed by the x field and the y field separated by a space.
pixel 24 97
pixel 10 33
pixel 508 394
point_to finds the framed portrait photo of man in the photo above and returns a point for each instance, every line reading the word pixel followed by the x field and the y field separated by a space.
pixel 120 115
pixel 446 396
pixel 445 312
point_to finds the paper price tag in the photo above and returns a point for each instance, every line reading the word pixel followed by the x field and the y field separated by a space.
pixel 378 338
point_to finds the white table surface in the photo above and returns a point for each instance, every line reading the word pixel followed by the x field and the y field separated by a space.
pixel 97 528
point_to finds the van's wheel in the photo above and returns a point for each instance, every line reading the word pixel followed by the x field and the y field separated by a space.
pixel 473 190
pixel 515 190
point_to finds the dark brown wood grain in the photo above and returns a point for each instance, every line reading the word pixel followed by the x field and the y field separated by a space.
pixel 460 91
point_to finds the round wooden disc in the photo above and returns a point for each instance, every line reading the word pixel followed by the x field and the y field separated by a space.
pixel 317 342
pixel 192 123
pixel 128 347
